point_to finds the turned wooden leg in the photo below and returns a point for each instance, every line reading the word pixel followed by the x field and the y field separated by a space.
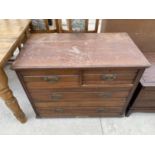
pixel 7 95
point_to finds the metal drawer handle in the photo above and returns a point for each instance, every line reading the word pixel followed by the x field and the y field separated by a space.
pixel 105 95
pixel 56 97
pixel 51 79
pixel 100 110
pixel 108 77
pixel 59 110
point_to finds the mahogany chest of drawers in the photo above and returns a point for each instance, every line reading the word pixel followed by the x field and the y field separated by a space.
pixel 80 75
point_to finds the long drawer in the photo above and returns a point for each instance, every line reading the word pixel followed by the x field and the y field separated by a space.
pixel 72 96
pixel 78 111
pixel 110 103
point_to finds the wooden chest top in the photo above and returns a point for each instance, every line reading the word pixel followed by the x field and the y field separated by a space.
pixel 80 50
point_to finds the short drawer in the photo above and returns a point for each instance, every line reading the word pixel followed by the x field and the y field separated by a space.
pixel 107 77
pixel 51 81
pixel 47 72
pixel 79 112
pixel 50 78
pixel 102 96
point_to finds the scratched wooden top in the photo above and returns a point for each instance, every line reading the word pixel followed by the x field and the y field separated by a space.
pixel 80 51
pixel 148 78
pixel 10 33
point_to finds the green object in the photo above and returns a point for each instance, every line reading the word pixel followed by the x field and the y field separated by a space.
pixel 78 25
pixel 38 24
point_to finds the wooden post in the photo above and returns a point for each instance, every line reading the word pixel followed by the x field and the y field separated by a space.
pixel 69 22
pixel 60 25
pixel 46 25
pixel 7 95
pixel 96 25
pixel 57 25
pixel 86 25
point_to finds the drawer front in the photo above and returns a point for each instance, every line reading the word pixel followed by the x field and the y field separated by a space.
pixel 144 104
pixel 78 111
pixel 46 72
pixel 147 95
pixel 110 103
pixel 145 100
pixel 107 77
pixel 52 81
pixel 50 78
pixel 143 109
pixel 102 96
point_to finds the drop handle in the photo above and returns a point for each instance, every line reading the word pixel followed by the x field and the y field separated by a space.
pixel 56 97
pixel 61 110
pixel 51 79
pixel 100 110
pixel 105 95
pixel 108 77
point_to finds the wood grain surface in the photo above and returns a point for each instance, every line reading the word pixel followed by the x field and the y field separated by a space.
pixel 80 51
pixel 143 34
pixel 148 78
pixel 142 31
pixel 11 32
pixel 80 112
pixel 67 75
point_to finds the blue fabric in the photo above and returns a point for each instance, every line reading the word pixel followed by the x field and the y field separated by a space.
pixel 38 24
